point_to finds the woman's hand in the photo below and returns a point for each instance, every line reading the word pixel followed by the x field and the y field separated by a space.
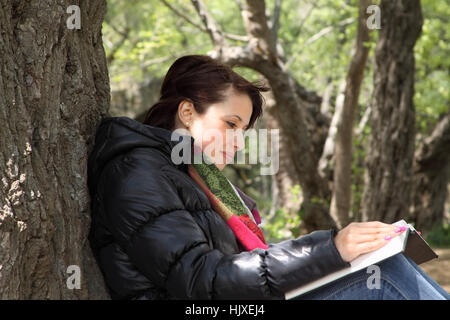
pixel 362 237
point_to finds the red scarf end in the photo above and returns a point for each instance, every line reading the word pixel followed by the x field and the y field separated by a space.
pixel 245 236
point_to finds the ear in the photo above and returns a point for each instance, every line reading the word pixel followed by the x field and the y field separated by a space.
pixel 186 112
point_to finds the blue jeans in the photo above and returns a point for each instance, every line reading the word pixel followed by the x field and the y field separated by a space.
pixel 400 279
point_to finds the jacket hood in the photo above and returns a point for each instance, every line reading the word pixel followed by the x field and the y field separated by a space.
pixel 118 135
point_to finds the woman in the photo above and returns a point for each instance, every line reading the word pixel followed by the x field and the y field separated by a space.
pixel 161 230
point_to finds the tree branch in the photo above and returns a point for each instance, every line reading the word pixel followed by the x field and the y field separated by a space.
pixel 201 27
pixel 364 120
pixel 434 150
pixel 158 60
pixel 316 37
pixel 254 15
pixel 276 20
pixel 210 24
pixel 296 33
pixel 431 177
pixel 326 98
pixel 124 36
pixel 325 166
pixel 327 30
pixel 239 4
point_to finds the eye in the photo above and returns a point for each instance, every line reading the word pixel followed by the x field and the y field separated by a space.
pixel 231 124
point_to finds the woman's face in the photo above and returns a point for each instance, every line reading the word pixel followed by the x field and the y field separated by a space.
pixel 220 128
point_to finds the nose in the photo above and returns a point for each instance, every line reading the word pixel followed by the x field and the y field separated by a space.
pixel 239 140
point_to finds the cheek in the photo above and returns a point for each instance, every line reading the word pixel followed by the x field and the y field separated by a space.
pixel 212 142
pixel 212 135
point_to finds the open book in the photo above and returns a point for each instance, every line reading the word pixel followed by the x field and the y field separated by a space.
pixel 409 243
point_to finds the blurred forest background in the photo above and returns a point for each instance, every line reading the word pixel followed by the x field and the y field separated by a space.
pixel 360 94
pixel 316 41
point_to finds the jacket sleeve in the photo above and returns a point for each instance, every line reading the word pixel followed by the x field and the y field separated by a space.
pixel 282 267
pixel 166 244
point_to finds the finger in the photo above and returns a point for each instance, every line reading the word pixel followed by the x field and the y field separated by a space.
pixel 370 224
pixel 372 237
pixel 374 231
pixel 397 231
pixel 376 227
pixel 378 241
pixel 366 247
pixel 367 237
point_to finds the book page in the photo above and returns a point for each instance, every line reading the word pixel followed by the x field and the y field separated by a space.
pixel 393 247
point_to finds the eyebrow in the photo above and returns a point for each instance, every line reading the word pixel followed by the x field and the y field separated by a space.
pixel 240 119
pixel 235 115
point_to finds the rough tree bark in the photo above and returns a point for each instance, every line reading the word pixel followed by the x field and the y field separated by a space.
pixel 388 176
pixel 54 89
pixel 431 176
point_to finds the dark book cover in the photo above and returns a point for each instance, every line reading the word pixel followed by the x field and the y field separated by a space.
pixel 418 249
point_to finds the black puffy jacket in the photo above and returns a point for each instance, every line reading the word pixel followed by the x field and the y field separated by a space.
pixel 155 236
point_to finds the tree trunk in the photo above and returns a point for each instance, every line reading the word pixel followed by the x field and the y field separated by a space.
pixel 54 89
pixel 341 198
pixel 388 176
pixel 298 145
pixel 286 177
pixel 327 158
pixel 431 176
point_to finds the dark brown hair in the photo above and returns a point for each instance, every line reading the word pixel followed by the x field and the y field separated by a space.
pixel 203 81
